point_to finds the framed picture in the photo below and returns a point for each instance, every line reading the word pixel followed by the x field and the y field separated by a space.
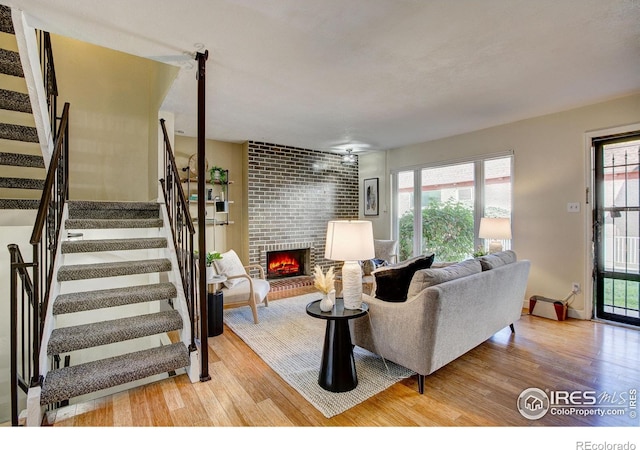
pixel 371 197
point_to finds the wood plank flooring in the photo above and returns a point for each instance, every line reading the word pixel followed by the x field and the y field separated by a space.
pixel 479 389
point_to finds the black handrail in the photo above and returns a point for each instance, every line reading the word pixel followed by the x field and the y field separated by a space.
pixel 182 230
pixel 202 235
pixel 28 314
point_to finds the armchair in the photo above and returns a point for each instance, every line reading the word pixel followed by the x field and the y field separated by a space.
pixel 240 287
pixel 386 250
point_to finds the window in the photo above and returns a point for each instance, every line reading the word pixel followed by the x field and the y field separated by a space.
pixel 452 200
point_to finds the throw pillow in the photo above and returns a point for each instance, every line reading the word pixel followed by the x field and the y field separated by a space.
pixel 370 265
pixel 430 277
pixel 499 259
pixel 229 266
pixel 392 282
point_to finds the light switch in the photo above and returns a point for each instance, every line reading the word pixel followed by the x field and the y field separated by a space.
pixel 573 207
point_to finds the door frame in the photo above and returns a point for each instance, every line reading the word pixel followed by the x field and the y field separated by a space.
pixel 588 292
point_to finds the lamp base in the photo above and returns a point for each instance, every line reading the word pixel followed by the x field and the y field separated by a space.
pixel 352 285
pixel 495 247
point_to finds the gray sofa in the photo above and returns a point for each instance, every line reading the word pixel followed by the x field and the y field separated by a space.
pixel 448 311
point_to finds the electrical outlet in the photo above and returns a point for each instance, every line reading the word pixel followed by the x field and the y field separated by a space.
pixel 575 287
pixel 573 207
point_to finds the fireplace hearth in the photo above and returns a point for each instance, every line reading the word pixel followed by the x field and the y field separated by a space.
pixel 287 263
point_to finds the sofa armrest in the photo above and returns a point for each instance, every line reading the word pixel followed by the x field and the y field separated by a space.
pixel 400 332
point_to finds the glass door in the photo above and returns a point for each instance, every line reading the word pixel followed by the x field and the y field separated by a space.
pixel 617 228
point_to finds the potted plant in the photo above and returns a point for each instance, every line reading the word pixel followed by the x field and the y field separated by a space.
pixel 211 257
pixel 217 175
pixel 479 252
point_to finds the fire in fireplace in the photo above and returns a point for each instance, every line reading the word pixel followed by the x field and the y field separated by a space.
pixel 286 263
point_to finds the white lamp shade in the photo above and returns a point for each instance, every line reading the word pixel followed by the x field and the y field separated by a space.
pixel 491 228
pixel 349 240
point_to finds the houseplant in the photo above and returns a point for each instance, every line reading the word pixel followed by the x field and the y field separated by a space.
pixel 211 257
pixel 217 175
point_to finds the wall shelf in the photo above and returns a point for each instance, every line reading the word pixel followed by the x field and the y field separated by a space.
pixel 213 207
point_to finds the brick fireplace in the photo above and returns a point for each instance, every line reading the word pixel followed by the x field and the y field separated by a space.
pixel 292 194
pixel 285 263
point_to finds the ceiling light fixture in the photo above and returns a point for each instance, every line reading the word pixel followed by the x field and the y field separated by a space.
pixel 349 159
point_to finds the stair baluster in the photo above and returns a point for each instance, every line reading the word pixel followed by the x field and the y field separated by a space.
pixel 183 234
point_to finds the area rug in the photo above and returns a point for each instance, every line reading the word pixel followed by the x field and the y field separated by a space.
pixel 290 342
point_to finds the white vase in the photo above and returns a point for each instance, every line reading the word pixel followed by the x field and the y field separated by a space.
pixel 328 299
pixel 211 272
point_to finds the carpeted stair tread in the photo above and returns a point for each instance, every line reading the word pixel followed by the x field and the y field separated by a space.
pixel 21 183
pixel 113 210
pixel 109 245
pixel 15 101
pixel 112 269
pixel 18 132
pixel 6 22
pixel 21 160
pixel 107 298
pixel 11 203
pixel 68 382
pixel 68 339
pixel 85 224
pixel 10 63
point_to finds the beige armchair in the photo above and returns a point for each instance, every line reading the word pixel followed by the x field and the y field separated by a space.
pixel 386 249
pixel 241 288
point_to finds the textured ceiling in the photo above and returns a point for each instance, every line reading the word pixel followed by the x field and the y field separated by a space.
pixel 367 74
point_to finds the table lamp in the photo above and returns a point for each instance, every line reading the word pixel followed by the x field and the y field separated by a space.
pixel 495 229
pixel 350 241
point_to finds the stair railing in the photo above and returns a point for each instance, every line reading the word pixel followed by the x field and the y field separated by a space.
pixel 49 76
pixel 182 229
pixel 30 299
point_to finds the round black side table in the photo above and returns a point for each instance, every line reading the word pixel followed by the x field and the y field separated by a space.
pixel 338 368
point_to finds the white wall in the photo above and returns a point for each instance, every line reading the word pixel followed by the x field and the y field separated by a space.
pixel 551 167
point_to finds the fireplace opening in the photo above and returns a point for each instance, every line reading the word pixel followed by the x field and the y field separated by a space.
pixel 287 263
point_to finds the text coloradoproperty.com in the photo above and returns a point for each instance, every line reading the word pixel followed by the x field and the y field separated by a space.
pixel 588 445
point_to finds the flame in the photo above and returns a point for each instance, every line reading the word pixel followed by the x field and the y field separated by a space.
pixel 283 264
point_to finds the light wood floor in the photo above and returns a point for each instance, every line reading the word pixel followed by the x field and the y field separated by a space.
pixel 478 389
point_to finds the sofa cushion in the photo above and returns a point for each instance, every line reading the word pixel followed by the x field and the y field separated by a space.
pixel 422 279
pixel 498 259
pixel 392 282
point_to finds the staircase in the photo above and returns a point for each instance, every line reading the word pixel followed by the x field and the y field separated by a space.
pixel 115 296
pixel 22 168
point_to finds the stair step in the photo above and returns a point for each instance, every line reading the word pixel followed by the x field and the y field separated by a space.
pixel 107 298
pixel 112 269
pixel 87 224
pixel 69 339
pixel 10 63
pixel 21 183
pixel 113 210
pixel 6 22
pixel 22 133
pixel 68 382
pixel 21 160
pixel 109 245
pixel 13 203
pixel 15 101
